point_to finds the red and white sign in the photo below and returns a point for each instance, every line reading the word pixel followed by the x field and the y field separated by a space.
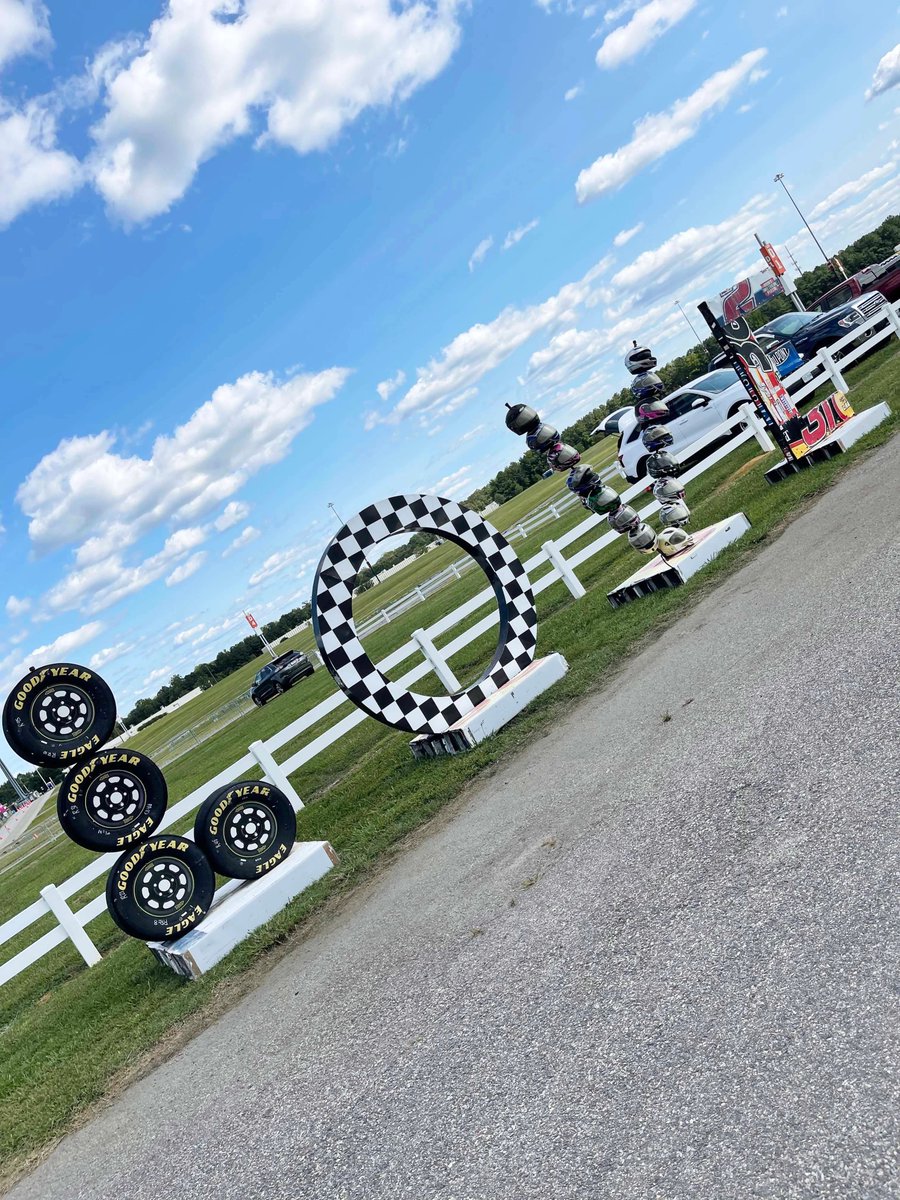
pixel 251 621
pixel 769 253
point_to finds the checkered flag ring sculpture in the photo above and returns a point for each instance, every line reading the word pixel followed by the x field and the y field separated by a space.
pixel 335 632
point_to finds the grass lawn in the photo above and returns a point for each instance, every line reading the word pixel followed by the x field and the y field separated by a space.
pixel 68 1035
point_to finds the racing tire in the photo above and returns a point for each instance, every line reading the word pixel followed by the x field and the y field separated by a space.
pixel 59 714
pixel 246 829
pixel 160 889
pixel 112 800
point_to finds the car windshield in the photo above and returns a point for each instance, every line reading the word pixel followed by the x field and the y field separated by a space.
pixel 263 674
pixel 718 381
pixel 840 295
pixel 789 323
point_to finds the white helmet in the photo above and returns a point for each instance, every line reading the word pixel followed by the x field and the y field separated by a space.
pixel 639 359
pixel 642 538
pixel 623 518
pixel 674 512
pixel 672 541
pixel 667 489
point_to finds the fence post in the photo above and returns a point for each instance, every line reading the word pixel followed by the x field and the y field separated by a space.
pixel 893 318
pixel 759 430
pixel 419 593
pixel 70 926
pixel 555 511
pixel 274 773
pixel 436 661
pixel 832 368
pixel 568 576
pixel 455 569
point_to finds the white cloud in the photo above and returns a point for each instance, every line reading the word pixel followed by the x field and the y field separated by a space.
pixel 234 511
pixel 387 387
pixel 83 490
pixel 621 10
pixel 515 235
pixel 209 70
pixel 155 676
pixel 455 484
pixel 573 92
pixel 625 235
pixel 186 569
pixel 478 255
pixel 275 564
pixel 887 73
pixel 244 538
pixel 647 24
pixel 110 654
pixel 60 648
pixel 844 224
pixel 853 187
pixel 659 133
pixel 187 635
pixel 483 347
pixel 33 170
pixel 16 607
pixel 24 28
pixel 782 12
pixel 472 433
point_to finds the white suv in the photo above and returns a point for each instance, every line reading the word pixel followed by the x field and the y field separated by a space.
pixel 694 409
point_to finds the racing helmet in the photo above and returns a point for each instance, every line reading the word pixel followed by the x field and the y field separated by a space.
pixel 604 500
pixel 672 541
pixel 665 490
pixel 656 437
pixel 639 359
pixel 646 386
pixel 662 463
pixel 563 457
pixel 521 418
pixel 583 480
pixel 542 438
pixel 674 512
pixel 623 518
pixel 642 538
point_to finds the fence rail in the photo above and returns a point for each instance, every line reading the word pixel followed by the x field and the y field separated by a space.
pixel 54 898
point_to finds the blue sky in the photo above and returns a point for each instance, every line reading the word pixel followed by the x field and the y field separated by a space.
pixel 260 256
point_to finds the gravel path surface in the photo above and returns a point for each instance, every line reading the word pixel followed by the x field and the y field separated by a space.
pixel 646 959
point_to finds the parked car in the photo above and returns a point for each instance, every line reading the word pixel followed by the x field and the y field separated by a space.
pixel 279 675
pixel 610 423
pixel 694 410
pixel 882 278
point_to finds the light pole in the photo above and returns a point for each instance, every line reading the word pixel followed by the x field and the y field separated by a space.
pixel 779 178
pixel 692 329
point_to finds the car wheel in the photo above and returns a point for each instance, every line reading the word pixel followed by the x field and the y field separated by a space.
pixel 246 828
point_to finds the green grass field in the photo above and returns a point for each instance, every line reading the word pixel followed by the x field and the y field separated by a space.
pixel 68 1034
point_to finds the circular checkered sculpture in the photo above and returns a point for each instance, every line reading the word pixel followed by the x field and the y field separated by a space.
pixel 332 610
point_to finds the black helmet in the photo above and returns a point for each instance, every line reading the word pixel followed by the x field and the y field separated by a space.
pixel 543 438
pixel 640 359
pixel 583 480
pixel 662 463
pixel 521 418
pixel 656 437
pixel 647 386
pixel 563 457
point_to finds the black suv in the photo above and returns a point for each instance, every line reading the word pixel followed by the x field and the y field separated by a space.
pixel 280 674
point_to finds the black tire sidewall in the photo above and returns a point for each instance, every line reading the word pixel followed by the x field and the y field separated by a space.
pixel 135 920
pixel 209 828
pixel 26 737
pixel 74 812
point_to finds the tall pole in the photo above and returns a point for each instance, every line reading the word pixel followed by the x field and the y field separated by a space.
pixel 690 323
pixel 16 786
pixel 779 178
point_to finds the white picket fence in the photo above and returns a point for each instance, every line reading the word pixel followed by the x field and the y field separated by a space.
pixel 54 898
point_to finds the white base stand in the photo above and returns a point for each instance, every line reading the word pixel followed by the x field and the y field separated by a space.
pixel 242 905
pixel 495 712
pixel 839 441
pixel 672 572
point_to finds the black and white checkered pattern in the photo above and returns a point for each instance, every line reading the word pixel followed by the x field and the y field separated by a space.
pixel 332 610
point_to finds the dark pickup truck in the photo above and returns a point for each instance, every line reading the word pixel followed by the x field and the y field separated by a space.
pixel 279 675
pixel 883 278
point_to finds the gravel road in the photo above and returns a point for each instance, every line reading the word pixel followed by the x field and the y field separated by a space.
pixel 647 958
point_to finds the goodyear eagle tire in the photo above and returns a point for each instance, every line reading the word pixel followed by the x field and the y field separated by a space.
pixel 112 800
pixel 246 828
pixel 59 714
pixel 160 889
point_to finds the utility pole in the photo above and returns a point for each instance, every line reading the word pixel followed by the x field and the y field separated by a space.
pixel 779 178
pixel 690 323
pixel 16 786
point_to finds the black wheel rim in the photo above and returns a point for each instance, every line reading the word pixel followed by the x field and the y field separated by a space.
pixel 62 713
pixel 163 886
pixel 115 800
pixel 250 829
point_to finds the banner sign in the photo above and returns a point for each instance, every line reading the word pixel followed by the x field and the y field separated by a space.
pixel 250 620
pixel 820 422
pixel 747 294
pixel 770 254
